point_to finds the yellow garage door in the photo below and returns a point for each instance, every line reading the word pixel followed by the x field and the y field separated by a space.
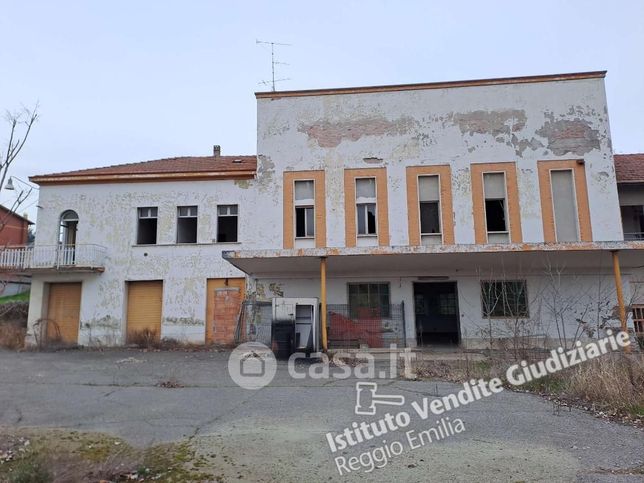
pixel 63 312
pixel 144 301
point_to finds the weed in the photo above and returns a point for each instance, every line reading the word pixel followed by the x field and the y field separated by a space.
pixel 12 335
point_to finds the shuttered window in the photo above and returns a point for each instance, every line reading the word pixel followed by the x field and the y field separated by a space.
pixel 564 205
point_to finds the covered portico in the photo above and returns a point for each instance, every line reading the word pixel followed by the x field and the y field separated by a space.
pixel 317 272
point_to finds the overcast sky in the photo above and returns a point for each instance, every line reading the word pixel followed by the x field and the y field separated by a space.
pixel 125 81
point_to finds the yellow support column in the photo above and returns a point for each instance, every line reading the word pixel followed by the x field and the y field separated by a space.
pixel 323 303
pixel 620 295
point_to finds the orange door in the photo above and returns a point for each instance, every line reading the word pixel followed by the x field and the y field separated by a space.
pixel 63 312
pixel 223 303
pixel 144 305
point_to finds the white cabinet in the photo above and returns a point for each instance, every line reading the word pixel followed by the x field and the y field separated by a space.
pixel 303 312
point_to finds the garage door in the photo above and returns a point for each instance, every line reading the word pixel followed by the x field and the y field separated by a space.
pixel 144 301
pixel 63 312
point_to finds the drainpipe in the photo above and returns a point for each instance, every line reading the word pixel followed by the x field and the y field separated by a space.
pixel 323 303
pixel 620 294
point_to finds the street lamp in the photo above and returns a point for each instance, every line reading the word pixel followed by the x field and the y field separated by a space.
pixel 11 187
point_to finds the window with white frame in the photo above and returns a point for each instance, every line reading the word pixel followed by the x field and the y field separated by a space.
pixel 187 224
pixel 227 223
pixel 366 206
pixel 429 201
pixel 146 231
pixel 304 208
pixel 496 207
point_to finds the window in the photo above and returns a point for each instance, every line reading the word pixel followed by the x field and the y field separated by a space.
pixel 304 209
pixel 564 205
pixel 633 222
pixel 495 207
pixel 187 224
pixel 429 199
pixel 366 206
pixel 638 320
pixel 147 226
pixel 68 228
pixel 368 299
pixel 505 298
pixel 227 223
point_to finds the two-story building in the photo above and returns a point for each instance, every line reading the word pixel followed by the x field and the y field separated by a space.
pixel 460 212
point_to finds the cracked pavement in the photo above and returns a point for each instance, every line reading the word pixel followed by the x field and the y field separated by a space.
pixel 278 432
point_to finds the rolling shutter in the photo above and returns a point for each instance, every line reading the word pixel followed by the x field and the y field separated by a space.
pixel 144 302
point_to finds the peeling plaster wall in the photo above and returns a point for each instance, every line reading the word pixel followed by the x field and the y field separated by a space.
pixel 108 217
pixel 523 123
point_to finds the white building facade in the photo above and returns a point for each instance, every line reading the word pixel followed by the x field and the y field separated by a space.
pixel 468 213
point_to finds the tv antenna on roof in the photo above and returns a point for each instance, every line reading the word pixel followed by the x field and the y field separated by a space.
pixel 273 63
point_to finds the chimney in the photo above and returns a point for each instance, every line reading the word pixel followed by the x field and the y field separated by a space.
pixel 216 150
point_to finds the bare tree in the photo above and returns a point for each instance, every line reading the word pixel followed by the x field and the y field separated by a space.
pixel 20 124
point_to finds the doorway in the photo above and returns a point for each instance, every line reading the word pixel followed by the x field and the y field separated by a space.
pixel 67 238
pixel 436 311
pixel 144 311
pixel 63 313
pixel 223 304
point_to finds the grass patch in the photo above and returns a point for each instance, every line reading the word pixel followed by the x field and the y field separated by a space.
pixel 21 297
pixel 48 455
pixel 612 385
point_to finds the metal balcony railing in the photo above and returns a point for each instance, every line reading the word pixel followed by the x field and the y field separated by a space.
pixel 67 257
pixel 634 236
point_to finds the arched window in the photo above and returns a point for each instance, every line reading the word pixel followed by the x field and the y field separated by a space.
pixel 68 228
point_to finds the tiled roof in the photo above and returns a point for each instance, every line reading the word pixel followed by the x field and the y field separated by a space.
pixel 13 213
pixel 180 167
pixel 629 168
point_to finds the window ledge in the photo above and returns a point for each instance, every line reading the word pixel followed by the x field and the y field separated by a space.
pixel 368 236
pixel 505 317
pixel 185 244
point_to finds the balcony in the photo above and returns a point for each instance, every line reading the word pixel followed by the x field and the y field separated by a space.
pixel 67 258
pixel 638 235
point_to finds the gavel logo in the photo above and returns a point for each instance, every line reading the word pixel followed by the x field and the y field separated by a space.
pixel 367 398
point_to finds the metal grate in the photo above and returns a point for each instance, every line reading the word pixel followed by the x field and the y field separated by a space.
pixel 638 317
pixel 254 322
pixel 348 327
pixel 351 327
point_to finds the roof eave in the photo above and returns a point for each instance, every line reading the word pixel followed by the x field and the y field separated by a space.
pixel 599 74
pixel 142 177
